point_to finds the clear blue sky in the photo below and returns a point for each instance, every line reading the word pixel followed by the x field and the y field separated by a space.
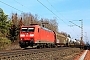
pixel 66 10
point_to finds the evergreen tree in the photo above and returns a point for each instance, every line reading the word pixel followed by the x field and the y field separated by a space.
pixel 4 22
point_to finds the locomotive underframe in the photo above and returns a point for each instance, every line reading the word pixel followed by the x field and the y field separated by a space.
pixel 26 43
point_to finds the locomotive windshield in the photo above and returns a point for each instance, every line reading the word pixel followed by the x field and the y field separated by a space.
pixel 27 30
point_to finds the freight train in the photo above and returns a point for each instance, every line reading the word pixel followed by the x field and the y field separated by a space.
pixel 35 35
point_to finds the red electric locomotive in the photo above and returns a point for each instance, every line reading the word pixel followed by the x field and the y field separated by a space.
pixel 35 35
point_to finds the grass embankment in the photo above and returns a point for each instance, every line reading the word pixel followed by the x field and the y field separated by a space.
pixel 4 42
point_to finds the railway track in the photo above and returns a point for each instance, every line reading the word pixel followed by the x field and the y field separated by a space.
pixel 32 54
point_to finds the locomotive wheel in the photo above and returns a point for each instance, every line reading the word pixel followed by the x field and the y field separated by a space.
pixel 40 46
pixel 22 46
pixel 43 46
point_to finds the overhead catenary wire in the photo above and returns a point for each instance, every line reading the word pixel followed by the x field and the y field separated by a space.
pixel 11 6
pixel 53 7
pixel 56 10
pixel 21 4
pixel 52 12
pixel 18 3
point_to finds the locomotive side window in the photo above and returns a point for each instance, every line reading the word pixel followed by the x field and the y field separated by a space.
pixel 38 29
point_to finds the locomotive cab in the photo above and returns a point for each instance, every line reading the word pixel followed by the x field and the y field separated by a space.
pixel 26 36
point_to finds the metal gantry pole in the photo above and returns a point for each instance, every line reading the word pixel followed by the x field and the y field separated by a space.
pixel 81 38
pixel 81 30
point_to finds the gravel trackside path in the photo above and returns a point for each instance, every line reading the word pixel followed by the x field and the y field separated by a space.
pixel 87 57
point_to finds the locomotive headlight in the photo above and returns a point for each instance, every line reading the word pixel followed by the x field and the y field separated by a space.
pixel 31 35
pixel 22 35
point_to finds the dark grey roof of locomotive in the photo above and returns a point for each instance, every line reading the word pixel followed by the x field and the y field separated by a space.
pixel 46 29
